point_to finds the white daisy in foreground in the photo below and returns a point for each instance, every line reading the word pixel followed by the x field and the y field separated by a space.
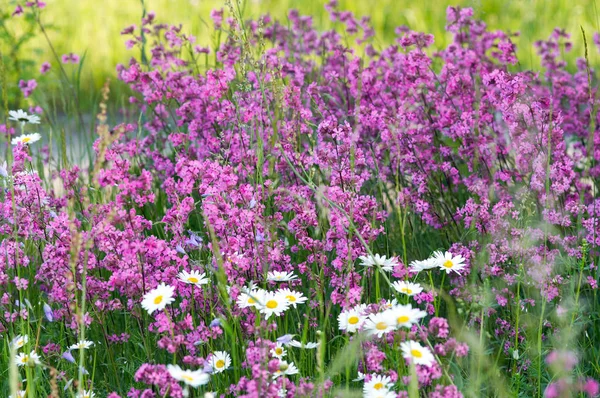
pixel 26 139
pixel 350 321
pixel 376 383
pixel 417 353
pixel 421 265
pixel 20 394
pixel 380 324
pixel 274 304
pixel 219 361
pixel 193 278
pixel 406 315
pixel 383 393
pixel 82 345
pixel 254 298
pixel 449 263
pixel 194 378
pixel 23 117
pixel 278 351
pixel 308 345
pixel 30 359
pixel 158 298
pixel 386 264
pixel 293 298
pixel 19 341
pixel 408 288
pixel 285 369
pixel 86 394
pixel 278 276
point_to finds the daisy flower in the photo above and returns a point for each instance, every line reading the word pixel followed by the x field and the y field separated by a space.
pixel 386 264
pixel 448 262
pixel 26 139
pixel 23 117
pixel 294 298
pixel 380 323
pixel 253 298
pixel 383 393
pixel 278 352
pixel 376 383
pixel 30 359
pixel 277 276
pixel 194 378
pixel 361 376
pixel 219 361
pixel 82 345
pixel 350 321
pixel 193 278
pixel 19 341
pixel 421 265
pixel 86 394
pixel 390 304
pixel 20 394
pixel 158 298
pixel 309 345
pixel 406 316
pixel 274 304
pixel 417 353
pixel 408 288
pixel 285 369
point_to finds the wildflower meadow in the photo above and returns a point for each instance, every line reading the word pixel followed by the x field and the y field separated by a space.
pixel 294 211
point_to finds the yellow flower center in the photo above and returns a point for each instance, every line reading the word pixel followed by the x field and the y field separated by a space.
pixel 220 363
pixel 26 139
pixel 403 319
pixel 271 304
pixel 448 264
pixel 406 290
pixel 353 320
pixel 278 350
pixel 251 300
pixel 283 366
pixel 291 298
pixel 25 359
pixel 193 279
pixel 381 326
pixel 158 300
pixel 416 353
pixel 188 378
pixel 378 386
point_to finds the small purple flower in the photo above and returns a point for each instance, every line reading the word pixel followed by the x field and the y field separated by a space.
pixel 68 356
pixel 48 312
pixel 45 67
pixel 285 339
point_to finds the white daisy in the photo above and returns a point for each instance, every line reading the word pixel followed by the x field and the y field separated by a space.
pixel 294 298
pixel 308 345
pixel 274 304
pixel 19 341
pixel 376 383
pixel 387 304
pixel 158 298
pixel 350 321
pixel 278 351
pixel 86 394
pixel 361 376
pixel 26 139
pixel 285 369
pixel 450 263
pixel 408 288
pixel 421 265
pixel 253 298
pixel 380 323
pixel 277 276
pixel 417 353
pixel 81 345
pixel 30 359
pixel 406 315
pixel 20 394
pixel 383 393
pixel 193 278
pixel 23 117
pixel 194 378
pixel 219 361
pixel 386 264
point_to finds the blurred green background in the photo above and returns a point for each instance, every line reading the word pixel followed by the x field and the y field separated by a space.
pixel 93 26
